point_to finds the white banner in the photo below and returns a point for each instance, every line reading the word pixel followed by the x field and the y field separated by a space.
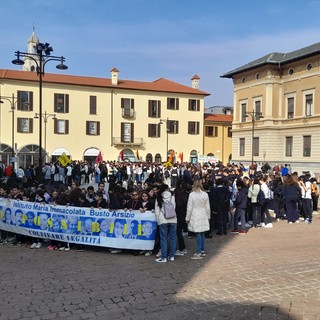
pixel 89 226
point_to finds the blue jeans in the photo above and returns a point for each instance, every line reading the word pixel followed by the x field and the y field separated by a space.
pixel 168 233
pixel 240 214
pixel 200 242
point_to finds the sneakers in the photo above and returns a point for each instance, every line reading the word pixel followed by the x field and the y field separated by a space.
pixel 197 256
pixel 235 231
pixel 148 253
pixel 297 221
pixel 203 254
pixel 185 251
pixel 114 251
pixel 62 248
pixel 248 225
pixel 171 259
pixel 158 255
pixel 161 260
pixel 67 248
pixel 3 241
pixel 33 246
pixel 262 224
pixel 38 245
pixel 179 253
pixel 242 232
pixel 269 225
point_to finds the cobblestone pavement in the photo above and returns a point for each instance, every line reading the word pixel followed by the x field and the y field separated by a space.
pixel 266 274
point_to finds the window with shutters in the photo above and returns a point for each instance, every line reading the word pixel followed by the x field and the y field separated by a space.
pixel 241 147
pixel 61 126
pixel 229 132
pixel 211 131
pixel 127 132
pixel 290 107
pixel 154 109
pixel 193 127
pixel 173 126
pixel 25 101
pixel 308 104
pixel 93 128
pixel 194 105
pixel 153 130
pixel 256 146
pixel 173 103
pixel 127 106
pixel 257 109
pixel 93 105
pixel 25 125
pixel 61 103
pixel 243 112
pixel 289 144
pixel 307 146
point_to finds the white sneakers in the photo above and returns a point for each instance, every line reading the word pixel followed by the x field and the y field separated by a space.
pixel 161 260
pixel 197 256
pixel 36 245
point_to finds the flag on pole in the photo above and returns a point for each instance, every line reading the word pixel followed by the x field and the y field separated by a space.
pixel 137 154
pixel 99 158
pixel 121 155
pixel 180 156
pixel 171 156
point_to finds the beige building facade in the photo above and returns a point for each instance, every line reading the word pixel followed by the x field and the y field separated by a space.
pixel 218 136
pixel 277 110
pixel 83 116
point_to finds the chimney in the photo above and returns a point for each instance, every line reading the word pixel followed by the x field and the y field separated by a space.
pixel 114 76
pixel 195 81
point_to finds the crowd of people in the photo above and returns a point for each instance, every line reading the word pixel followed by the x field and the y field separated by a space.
pixel 206 199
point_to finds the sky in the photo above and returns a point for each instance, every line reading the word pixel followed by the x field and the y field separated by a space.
pixel 151 39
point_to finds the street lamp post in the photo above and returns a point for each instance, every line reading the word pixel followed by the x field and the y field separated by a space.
pixel 13 100
pixel 41 58
pixel 166 121
pixel 255 115
pixel 45 116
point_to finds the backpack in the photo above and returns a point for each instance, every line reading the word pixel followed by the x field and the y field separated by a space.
pixel 169 210
pixel 261 199
pixel 314 190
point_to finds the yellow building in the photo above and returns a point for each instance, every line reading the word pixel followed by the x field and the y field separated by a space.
pixel 277 109
pixel 85 115
pixel 218 136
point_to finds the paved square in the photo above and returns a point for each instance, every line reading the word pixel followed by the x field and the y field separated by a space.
pixel 266 274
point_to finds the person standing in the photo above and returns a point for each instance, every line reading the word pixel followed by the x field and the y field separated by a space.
pixel 291 192
pixel 167 227
pixel 306 199
pixel 198 215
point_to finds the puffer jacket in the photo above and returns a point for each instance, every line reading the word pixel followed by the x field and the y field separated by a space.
pixel 159 212
pixel 253 193
pixel 198 211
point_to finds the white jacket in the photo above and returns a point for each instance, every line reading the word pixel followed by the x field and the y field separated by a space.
pixel 159 212
pixel 198 211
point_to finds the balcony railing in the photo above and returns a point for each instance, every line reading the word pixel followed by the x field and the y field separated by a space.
pixel 127 113
pixel 117 141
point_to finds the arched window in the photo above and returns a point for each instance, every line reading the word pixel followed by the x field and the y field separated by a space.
pixel 149 157
pixel 157 158
pixel 193 156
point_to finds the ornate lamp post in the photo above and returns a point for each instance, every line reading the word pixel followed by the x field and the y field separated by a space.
pixel 166 121
pixel 255 115
pixel 13 100
pixel 41 58
pixel 45 117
